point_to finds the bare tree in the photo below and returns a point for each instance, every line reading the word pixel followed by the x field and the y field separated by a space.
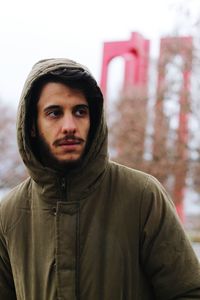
pixel 12 170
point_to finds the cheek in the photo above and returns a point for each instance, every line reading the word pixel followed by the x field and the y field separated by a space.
pixel 39 125
pixel 45 132
pixel 83 128
pixel 87 128
pixel 46 129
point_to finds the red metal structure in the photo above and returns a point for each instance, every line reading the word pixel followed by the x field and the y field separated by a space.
pixel 169 48
pixel 136 55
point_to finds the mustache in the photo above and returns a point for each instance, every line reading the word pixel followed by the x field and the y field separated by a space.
pixel 67 138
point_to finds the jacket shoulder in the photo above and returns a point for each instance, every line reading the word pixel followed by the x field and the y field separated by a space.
pixel 132 178
pixel 140 188
pixel 12 205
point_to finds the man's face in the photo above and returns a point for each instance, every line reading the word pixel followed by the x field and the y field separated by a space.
pixel 63 122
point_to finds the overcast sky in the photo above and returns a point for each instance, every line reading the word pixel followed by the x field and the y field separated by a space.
pixel 34 29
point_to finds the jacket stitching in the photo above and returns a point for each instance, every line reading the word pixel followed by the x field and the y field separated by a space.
pixel 77 279
pixel 1 225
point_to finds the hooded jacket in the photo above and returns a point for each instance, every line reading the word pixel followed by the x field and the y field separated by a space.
pixel 99 232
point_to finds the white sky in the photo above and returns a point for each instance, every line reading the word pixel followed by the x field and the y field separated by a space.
pixel 34 29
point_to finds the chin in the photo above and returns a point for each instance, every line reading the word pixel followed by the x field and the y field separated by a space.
pixel 67 164
pixel 69 158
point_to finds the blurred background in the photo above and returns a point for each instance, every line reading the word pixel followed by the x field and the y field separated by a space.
pixel 146 57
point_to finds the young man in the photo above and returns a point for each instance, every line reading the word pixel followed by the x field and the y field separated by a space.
pixel 82 227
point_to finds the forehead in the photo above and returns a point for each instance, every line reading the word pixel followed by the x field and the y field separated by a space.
pixel 58 93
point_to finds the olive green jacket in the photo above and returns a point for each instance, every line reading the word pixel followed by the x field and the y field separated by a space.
pixel 100 232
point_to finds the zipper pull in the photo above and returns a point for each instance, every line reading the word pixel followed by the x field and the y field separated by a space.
pixel 63 188
pixel 63 184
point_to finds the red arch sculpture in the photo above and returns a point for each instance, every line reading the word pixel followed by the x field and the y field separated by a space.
pixel 170 47
pixel 136 55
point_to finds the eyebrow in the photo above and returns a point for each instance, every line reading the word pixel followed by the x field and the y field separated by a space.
pixel 82 105
pixel 46 109
pixel 51 107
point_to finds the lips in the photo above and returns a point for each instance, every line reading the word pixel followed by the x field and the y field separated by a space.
pixel 68 141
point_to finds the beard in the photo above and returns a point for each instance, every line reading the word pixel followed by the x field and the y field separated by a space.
pixel 49 160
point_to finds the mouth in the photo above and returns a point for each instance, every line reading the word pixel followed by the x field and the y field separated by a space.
pixel 67 142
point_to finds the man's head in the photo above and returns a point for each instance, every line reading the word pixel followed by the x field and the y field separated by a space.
pixel 63 115
pixel 62 124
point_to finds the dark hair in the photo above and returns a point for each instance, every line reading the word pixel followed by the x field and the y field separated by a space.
pixel 77 79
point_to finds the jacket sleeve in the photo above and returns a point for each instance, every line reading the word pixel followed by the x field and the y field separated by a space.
pixel 7 289
pixel 166 253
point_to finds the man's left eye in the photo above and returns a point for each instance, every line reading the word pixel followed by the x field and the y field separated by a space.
pixel 81 112
pixel 53 114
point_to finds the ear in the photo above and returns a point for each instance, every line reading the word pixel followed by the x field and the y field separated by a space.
pixel 33 131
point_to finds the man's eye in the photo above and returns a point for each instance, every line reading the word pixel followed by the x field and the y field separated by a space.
pixel 53 114
pixel 81 112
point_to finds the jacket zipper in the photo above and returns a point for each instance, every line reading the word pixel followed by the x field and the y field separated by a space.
pixel 64 188
pixel 63 185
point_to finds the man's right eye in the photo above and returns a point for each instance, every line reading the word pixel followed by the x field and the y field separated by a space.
pixel 53 114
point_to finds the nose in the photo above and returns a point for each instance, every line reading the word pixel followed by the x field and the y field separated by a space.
pixel 68 124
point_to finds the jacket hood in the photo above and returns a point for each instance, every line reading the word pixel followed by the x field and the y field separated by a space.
pixel 94 161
